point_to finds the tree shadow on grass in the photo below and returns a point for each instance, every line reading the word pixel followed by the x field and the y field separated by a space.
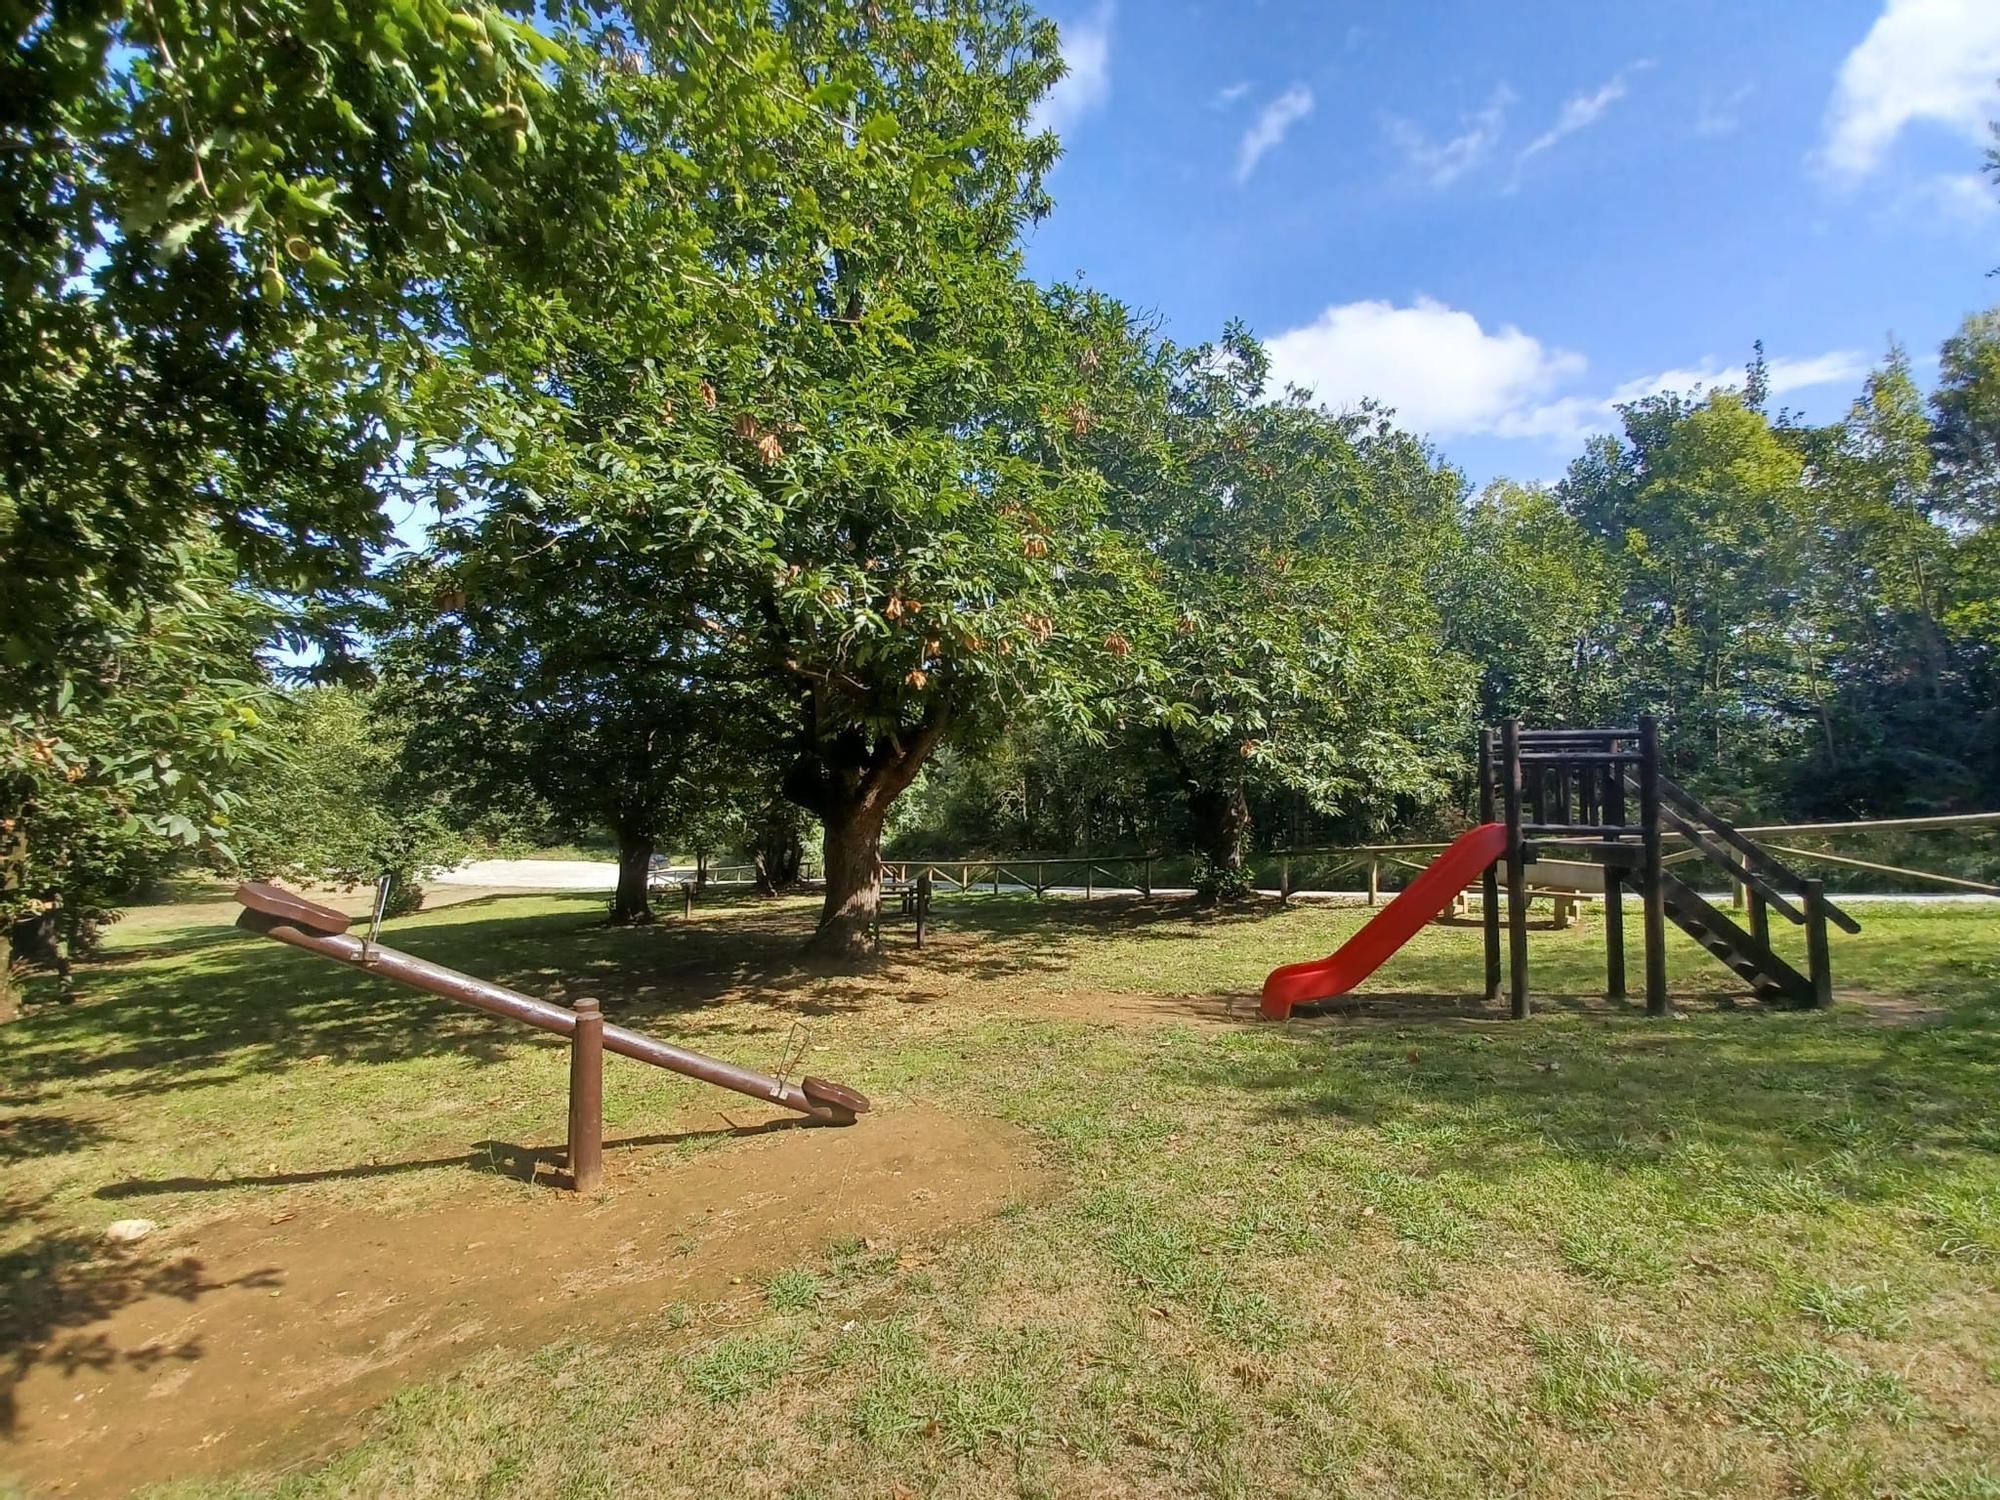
pixel 241 1006
pixel 25 1137
pixel 238 1005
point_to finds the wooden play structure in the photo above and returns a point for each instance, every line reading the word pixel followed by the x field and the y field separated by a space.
pixel 1588 809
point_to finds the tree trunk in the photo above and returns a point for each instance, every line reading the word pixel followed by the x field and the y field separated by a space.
pixel 1222 826
pixel 35 941
pixel 1220 810
pixel 850 779
pixel 632 902
pixel 852 851
pixel 779 854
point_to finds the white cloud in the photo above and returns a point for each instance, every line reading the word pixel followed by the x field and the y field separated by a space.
pixel 1270 127
pixel 1224 97
pixel 1581 112
pixel 1441 163
pixel 1797 373
pixel 1968 197
pixel 1922 60
pixel 1570 419
pixel 1723 116
pixel 1086 81
pixel 1447 376
pixel 1443 373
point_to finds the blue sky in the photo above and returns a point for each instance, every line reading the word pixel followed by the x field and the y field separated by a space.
pixel 1502 217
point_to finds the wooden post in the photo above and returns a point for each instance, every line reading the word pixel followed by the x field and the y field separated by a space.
pixel 1374 879
pixel 1653 890
pixel 1146 889
pixel 1760 918
pixel 687 898
pixel 1614 888
pixel 1089 878
pixel 1818 963
pixel 586 1099
pixel 996 880
pixel 1489 881
pixel 1041 877
pixel 1517 874
pixel 1284 878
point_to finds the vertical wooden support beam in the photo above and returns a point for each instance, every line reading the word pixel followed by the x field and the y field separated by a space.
pixel 996 880
pixel 1146 889
pixel 586 1099
pixel 1819 964
pixel 1614 888
pixel 1651 888
pixel 1760 919
pixel 1374 879
pixel 1089 889
pixel 1489 880
pixel 687 898
pixel 1517 873
pixel 1284 878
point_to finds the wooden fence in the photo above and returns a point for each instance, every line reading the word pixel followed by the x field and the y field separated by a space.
pixel 1135 872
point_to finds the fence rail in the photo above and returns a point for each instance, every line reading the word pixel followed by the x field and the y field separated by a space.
pixel 1136 872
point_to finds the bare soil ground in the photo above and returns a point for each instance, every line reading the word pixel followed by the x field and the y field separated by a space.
pixel 259 1339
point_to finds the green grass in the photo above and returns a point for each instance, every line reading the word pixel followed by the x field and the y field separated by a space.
pixel 1588 1376
pixel 1416 1252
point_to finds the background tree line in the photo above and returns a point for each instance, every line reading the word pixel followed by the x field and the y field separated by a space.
pixel 774 500
pixel 1809 608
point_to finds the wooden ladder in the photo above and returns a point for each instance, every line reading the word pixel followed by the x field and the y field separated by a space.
pixel 1770 885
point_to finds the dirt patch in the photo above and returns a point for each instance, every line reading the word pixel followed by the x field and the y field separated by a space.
pixel 1130 1008
pixel 1891 1010
pixel 254 1343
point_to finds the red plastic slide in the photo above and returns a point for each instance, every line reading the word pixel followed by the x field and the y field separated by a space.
pixel 1394 925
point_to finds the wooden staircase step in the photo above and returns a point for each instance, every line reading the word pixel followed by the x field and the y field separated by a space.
pixel 1768 975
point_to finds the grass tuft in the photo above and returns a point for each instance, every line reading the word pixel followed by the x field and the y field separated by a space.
pixel 727 1371
pixel 1587 1375
pixel 794 1289
pixel 1813 1391
pixel 1873 1309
